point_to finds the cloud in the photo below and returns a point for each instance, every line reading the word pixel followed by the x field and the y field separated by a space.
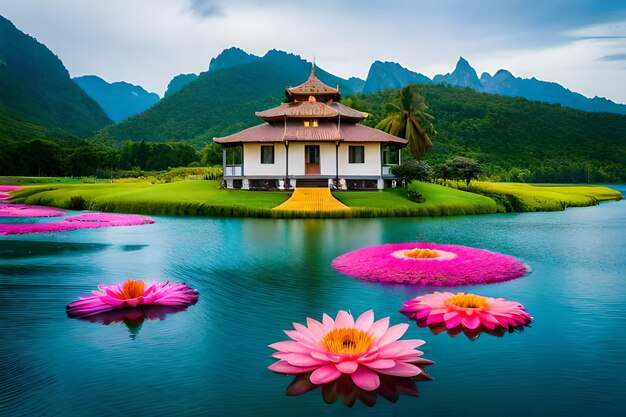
pixel 147 42
pixel 206 8
pixel 614 57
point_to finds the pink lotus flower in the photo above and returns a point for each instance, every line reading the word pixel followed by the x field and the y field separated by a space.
pixel 131 294
pixel 469 311
pixel 4 196
pixel 25 210
pixel 10 187
pixel 361 349
pixel 430 264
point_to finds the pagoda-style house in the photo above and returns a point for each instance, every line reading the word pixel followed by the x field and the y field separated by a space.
pixel 311 139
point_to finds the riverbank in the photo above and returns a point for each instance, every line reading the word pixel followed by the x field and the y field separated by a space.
pixel 205 198
pixel 516 197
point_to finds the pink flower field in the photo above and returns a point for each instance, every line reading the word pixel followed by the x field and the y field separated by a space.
pixel 81 221
pixel 429 264
pixel 25 210
pixel 10 188
pixel 90 220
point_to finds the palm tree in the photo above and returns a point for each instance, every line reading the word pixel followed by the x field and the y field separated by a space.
pixel 410 121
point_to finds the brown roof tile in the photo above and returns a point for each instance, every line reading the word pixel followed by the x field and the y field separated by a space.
pixel 296 132
pixel 362 133
pixel 306 109
pixel 300 109
pixel 325 132
pixel 313 86
pixel 348 112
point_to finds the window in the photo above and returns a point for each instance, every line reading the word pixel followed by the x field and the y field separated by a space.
pixel 391 156
pixel 314 122
pixel 356 154
pixel 267 154
pixel 306 123
pixel 311 123
pixel 312 154
pixel 234 156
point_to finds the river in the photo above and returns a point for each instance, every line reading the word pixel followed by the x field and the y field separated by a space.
pixel 257 276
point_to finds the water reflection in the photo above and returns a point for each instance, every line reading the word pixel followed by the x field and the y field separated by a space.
pixel 346 391
pixel 132 248
pixel 471 334
pixel 15 249
pixel 133 318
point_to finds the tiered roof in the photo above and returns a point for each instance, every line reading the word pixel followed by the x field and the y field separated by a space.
pixel 312 100
pixel 312 87
pixel 295 131
pixel 309 109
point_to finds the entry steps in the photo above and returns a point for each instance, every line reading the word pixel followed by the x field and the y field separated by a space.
pixel 312 183
pixel 312 200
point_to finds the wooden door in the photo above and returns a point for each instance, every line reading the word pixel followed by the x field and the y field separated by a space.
pixel 312 159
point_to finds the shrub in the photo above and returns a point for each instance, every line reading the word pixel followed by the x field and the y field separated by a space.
pixel 414 195
pixel 78 202
pixel 413 170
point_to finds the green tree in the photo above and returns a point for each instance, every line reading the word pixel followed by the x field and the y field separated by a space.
pixel 40 157
pixel 409 120
pixel 212 154
pixel 465 169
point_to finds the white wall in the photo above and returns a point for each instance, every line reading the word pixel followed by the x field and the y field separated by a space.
pixel 252 165
pixel 370 167
pixel 296 158
pixel 327 158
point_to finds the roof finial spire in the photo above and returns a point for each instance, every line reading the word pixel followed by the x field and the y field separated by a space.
pixel 312 69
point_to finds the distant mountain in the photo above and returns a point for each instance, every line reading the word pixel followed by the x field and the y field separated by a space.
pixel 179 82
pixel 37 96
pixel 462 76
pixel 384 75
pixel 119 100
pixel 231 57
pixel 220 102
pixel 355 84
pixel 504 83
pixel 297 64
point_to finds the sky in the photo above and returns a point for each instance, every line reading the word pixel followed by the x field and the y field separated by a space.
pixel 580 44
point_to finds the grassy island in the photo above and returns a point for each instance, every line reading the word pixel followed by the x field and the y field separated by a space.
pixel 205 198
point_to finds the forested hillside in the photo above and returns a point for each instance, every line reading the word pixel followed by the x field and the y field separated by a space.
pixel 220 102
pixel 37 97
pixel 516 139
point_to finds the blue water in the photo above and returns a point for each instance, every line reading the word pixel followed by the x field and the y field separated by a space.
pixel 256 277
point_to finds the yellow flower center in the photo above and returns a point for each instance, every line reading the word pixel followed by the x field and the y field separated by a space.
pixel 131 289
pixel 468 301
pixel 421 253
pixel 350 341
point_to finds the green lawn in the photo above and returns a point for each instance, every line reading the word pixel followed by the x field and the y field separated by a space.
pixel 205 198
pixel 439 201
pixel 202 198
